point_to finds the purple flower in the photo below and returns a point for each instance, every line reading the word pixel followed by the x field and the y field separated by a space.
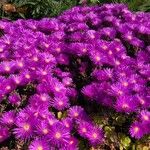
pixel 67 81
pixel 144 116
pixel 4 133
pixel 68 123
pixel 39 112
pixel 105 74
pixel 109 32
pixel 52 121
pixel 60 102
pixel 20 63
pixel 57 87
pixel 48 58
pixel 23 115
pixel 79 48
pixel 91 34
pixel 83 128
pixel 39 144
pixel 17 79
pixel 42 128
pixel 7 67
pixel 72 93
pixel 8 86
pixel 143 100
pixel 72 145
pixel 89 91
pixel 136 130
pixel 76 26
pixel 97 57
pixel 118 90
pixel 58 35
pixel 63 59
pixel 59 135
pixel 14 99
pixel 95 135
pixel 8 118
pixel 76 112
pixel 40 100
pixel 24 130
pixel 126 104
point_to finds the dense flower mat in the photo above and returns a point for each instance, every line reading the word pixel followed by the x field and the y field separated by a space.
pixel 50 68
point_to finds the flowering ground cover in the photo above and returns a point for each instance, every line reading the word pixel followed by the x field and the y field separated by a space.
pixel 77 81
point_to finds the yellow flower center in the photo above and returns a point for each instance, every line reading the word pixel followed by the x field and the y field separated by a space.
pixel 1 49
pixel 125 106
pixel 71 29
pixel 142 101
pixel 44 116
pixel 117 49
pixel 84 50
pixel 33 68
pixel 136 129
pixel 125 84
pixel 84 130
pixel 47 60
pixel 8 87
pixel 36 114
pixel 108 33
pixel 26 47
pixel 92 36
pixel 7 68
pixel 104 47
pixel 35 59
pixel 129 37
pixel 71 142
pixel 60 103
pixel 20 64
pixel 17 81
pixel 7 42
pixel 44 73
pixel 57 89
pixel 122 74
pixel 39 148
pixel 110 53
pixel 10 121
pixel 27 76
pixel 76 114
pixel 120 92
pixel 145 117
pixel 58 49
pixel 51 122
pixel 134 81
pixel 26 127
pixel 94 135
pixel 67 125
pixel 46 45
pixel 58 135
pixel 45 131
pixel 117 63
pixel 97 58
pixel 43 98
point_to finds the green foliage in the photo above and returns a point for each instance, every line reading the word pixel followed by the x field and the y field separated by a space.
pixel 48 8
pixel 135 5
pixel 145 6
pixel 116 129
pixel 124 142
pixel 38 8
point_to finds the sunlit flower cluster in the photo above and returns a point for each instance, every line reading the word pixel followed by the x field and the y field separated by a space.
pixel 99 54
